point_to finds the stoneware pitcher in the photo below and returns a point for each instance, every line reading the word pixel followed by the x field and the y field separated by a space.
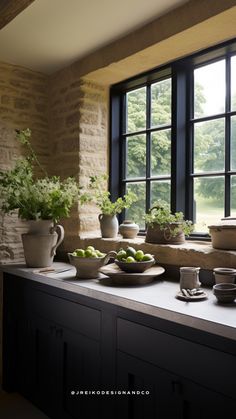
pixel 40 247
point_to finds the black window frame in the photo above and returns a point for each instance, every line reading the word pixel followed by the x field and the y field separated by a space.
pixel 182 122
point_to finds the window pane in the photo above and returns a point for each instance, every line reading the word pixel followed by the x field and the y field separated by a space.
pixel 160 190
pixel 136 156
pixel 233 142
pixel 233 196
pixel 233 83
pixel 208 201
pixel 209 89
pixel 161 153
pixel 209 154
pixel 136 110
pixel 161 103
pixel 137 211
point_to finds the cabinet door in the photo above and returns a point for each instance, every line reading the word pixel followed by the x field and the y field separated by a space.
pixel 201 403
pixel 46 360
pixel 160 398
pixel 81 366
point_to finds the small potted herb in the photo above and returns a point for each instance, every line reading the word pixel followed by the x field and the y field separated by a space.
pixel 107 218
pixel 163 227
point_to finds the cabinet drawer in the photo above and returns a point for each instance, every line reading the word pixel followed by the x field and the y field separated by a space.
pixel 209 367
pixel 77 317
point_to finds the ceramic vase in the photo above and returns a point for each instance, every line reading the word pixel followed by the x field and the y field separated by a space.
pixel 128 229
pixel 109 225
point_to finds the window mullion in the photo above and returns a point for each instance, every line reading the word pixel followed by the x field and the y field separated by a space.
pixel 227 136
pixel 178 152
pixel 148 147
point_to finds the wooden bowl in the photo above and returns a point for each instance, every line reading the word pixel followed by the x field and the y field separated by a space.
pixel 135 267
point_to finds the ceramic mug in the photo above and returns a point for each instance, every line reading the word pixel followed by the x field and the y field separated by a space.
pixel 189 277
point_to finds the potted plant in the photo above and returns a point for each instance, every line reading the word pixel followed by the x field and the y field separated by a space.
pixel 163 227
pixel 109 210
pixel 42 201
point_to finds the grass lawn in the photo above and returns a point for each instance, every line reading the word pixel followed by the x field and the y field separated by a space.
pixel 208 212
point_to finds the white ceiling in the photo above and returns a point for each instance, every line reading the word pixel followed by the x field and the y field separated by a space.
pixel 51 34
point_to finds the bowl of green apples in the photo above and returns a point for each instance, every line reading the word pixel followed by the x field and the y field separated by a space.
pixel 134 261
pixel 88 261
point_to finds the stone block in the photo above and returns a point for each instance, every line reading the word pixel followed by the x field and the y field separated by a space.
pixel 21 103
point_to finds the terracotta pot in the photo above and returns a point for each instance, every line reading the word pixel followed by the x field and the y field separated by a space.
pixel 156 235
pixel 109 225
pixel 41 242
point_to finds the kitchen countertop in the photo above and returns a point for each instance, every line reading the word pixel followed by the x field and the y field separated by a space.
pixel 156 299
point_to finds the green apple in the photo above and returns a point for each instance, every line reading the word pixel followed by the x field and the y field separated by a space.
pixel 79 253
pixel 130 259
pixel 121 254
pixel 94 255
pixel 90 248
pixel 99 254
pixel 139 255
pixel 130 251
pixel 88 253
pixel 147 257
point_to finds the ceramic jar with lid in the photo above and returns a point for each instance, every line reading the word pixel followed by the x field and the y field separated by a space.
pixel 128 229
pixel 223 234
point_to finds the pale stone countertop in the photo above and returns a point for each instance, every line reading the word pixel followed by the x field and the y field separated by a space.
pixel 156 299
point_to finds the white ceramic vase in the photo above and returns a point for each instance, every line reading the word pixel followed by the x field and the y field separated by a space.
pixel 109 225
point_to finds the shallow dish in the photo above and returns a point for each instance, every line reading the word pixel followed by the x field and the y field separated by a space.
pixel 120 277
pixel 135 267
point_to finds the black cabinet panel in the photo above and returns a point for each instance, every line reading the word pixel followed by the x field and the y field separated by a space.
pixel 169 396
pixel 156 393
pixel 83 319
pixel 188 359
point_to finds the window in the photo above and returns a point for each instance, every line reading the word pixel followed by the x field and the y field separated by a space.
pixel 173 137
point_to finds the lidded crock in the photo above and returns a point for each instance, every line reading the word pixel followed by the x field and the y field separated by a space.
pixel 223 234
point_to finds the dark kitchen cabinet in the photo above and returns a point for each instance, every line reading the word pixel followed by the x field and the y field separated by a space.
pixel 57 343
pixel 165 395
pixel 53 360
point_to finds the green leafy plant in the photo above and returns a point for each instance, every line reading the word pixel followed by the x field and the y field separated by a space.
pixel 161 215
pixel 35 198
pixel 97 194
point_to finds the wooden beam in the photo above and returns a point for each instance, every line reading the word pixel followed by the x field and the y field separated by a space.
pixel 9 9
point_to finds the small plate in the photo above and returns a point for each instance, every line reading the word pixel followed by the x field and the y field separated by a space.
pixel 200 297
pixel 123 278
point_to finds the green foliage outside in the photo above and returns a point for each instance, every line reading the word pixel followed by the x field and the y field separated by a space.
pixel 209 149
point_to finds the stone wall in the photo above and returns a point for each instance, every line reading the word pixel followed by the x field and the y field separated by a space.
pixel 23 103
pixel 79 146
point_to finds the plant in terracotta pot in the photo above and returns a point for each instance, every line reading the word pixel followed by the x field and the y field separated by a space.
pixel 163 227
pixel 40 200
pixel 109 210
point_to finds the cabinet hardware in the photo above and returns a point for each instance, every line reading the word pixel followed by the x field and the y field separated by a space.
pixel 177 387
